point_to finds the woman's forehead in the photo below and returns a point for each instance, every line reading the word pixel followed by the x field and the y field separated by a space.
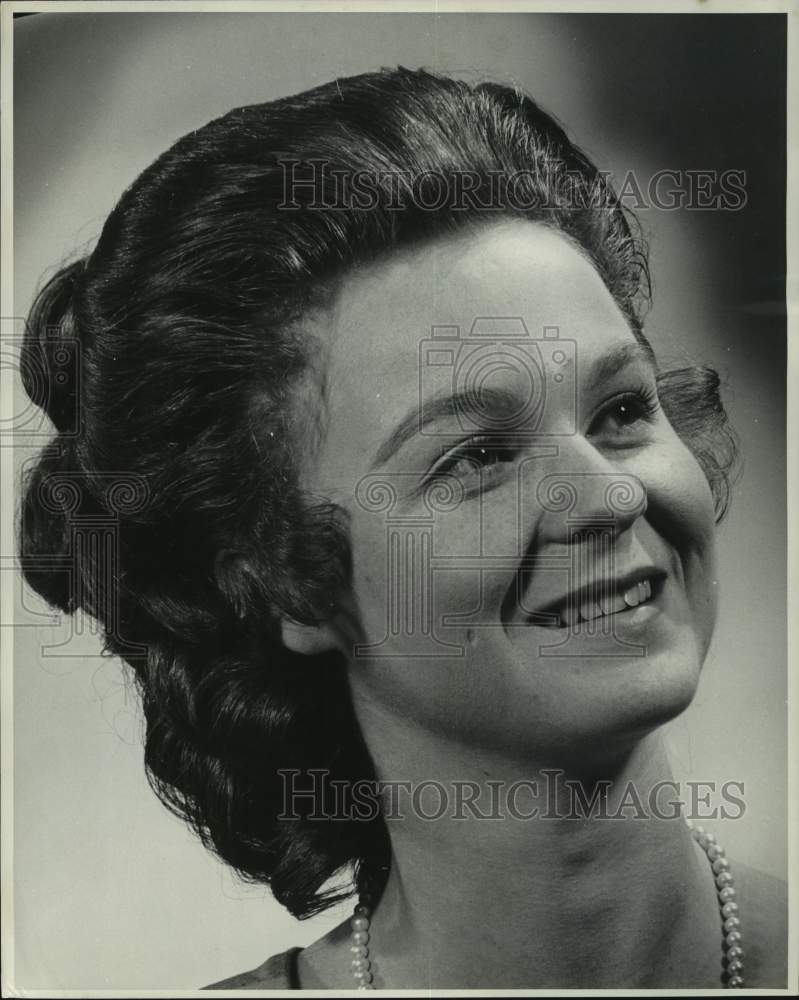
pixel 392 335
pixel 500 276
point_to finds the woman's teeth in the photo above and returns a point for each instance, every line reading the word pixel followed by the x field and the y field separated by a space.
pixel 588 610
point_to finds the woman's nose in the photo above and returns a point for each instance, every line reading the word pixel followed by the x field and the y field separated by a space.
pixel 598 499
pixel 570 503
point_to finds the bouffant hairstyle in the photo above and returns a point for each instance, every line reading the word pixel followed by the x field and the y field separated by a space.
pixel 172 362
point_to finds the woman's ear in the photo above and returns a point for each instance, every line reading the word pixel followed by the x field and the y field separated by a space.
pixel 238 581
pixel 309 640
pixel 341 630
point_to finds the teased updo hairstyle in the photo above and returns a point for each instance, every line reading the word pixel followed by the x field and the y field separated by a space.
pixel 181 339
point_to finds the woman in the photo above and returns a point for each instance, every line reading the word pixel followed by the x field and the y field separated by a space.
pixel 393 499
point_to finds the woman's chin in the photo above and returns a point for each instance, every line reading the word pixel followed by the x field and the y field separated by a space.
pixel 646 710
pixel 606 702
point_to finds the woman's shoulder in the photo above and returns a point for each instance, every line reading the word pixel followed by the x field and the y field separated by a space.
pixel 277 973
pixel 763 901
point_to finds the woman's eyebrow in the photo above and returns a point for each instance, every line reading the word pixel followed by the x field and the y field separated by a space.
pixel 442 405
pixel 621 356
pixel 500 400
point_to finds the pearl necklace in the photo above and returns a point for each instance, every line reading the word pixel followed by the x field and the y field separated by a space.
pixel 732 952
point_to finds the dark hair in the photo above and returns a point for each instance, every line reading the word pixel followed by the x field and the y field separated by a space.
pixel 177 429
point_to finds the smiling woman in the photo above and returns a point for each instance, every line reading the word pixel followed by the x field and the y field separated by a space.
pixel 407 506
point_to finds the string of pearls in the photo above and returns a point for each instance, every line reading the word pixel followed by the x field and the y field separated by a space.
pixel 359 942
pixel 732 951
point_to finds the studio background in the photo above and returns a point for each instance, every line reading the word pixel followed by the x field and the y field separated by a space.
pixel 109 890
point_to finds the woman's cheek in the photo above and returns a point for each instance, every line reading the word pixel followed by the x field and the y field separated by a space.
pixel 682 509
pixel 435 570
pixel 692 500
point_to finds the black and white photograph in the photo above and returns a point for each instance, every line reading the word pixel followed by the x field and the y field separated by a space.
pixel 397 480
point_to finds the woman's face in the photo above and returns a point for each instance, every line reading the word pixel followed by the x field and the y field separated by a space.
pixel 532 544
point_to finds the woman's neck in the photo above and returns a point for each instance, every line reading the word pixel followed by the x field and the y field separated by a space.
pixel 573 896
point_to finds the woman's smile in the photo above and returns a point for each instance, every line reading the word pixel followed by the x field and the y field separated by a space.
pixel 600 599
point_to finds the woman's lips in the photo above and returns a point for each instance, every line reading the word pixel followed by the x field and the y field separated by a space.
pixel 600 600
pixel 639 593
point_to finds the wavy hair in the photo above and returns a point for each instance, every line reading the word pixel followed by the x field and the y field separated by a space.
pixel 181 339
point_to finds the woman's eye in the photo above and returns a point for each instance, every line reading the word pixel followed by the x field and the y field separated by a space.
pixel 624 413
pixel 479 461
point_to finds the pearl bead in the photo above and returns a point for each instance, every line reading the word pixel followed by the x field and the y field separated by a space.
pixel 714 852
pixel 724 878
pixel 721 865
pixel 360 950
pixel 360 965
pixel 733 937
pixel 735 981
pixel 735 952
pixel 360 937
pixel 734 966
pixel 727 894
pixel 363 975
pixel 360 923
pixel 731 923
pixel 362 911
pixel 729 910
